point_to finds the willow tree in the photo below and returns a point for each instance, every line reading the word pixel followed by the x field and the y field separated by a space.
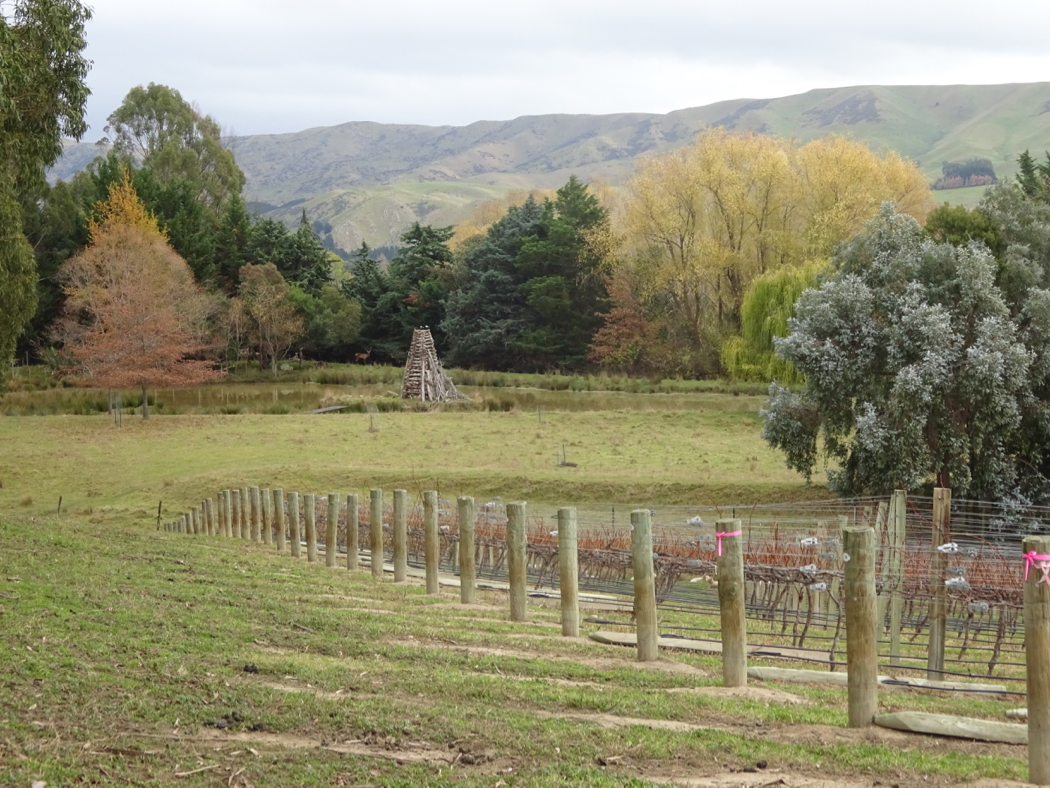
pixel 42 100
pixel 131 304
pixel 699 224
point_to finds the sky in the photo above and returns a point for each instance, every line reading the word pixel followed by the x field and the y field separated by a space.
pixel 266 67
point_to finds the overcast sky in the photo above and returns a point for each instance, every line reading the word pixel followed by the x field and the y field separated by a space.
pixel 262 66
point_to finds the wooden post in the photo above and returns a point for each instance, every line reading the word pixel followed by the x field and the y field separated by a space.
pixel 942 506
pixel 898 515
pixel 220 515
pixel 731 601
pixel 256 494
pixel 375 533
pixel 195 521
pixel 644 585
pixel 400 536
pixel 331 548
pixel 431 542
pixel 1037 660
pixel 568 572
pixel 278 516
pixel 246 523
pixel 467 574
pixel 517 550
pixel 295 535
pixel 209 517
pixel 310 512
pixel 267 516
pixel 228 510
pixel 353 538
pixel 862 659
pixel 182 524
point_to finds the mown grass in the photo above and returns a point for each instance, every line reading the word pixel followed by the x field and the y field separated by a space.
pixel 133 655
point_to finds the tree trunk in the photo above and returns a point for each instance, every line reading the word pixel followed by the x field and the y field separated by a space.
pixel 145 403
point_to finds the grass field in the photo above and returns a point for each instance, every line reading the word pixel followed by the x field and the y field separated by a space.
pixel 136 657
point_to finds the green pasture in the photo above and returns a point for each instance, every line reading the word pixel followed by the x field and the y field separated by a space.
pixel 139 657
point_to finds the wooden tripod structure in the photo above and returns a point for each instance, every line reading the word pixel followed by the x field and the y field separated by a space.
pixel 424 377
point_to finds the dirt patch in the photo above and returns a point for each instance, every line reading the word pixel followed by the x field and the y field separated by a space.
pixel 745 693
pixel 759 779
pixel 614 721
pixel 374 747
pixel 321 694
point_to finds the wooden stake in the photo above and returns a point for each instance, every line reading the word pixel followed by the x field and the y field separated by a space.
pixel 267 516
pixel 227 513
pixel 568 572
pixel 375 542
pixel 353 533
pixel 644 585
pixel 431 540
pixel 331 548
pixel 278 511
pixel 400 536
pixel 517 551
pixel 942 505
pixel 246 523
pixel 898 516
pixel 295 535
pixel 256 494
pixel 1037 660
pixel 310 512
pixel 731 599
pixel 159 505
pixel 862 665
pixel 467 573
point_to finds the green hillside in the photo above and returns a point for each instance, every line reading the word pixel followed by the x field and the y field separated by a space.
pixel 371 180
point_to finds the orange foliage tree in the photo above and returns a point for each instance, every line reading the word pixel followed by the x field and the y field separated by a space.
pixel 131 302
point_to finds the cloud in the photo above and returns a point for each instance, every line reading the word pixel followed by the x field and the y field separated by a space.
pixel 268 67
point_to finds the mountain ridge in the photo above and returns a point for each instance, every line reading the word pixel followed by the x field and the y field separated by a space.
pixel 370 180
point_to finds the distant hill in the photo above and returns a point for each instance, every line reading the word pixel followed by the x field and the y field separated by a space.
pixel 371 180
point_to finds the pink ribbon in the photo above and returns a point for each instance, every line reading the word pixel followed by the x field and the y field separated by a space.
pixel 1041 562
pixel 725 533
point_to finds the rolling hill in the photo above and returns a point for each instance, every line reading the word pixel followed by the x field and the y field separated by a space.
pixel 371 180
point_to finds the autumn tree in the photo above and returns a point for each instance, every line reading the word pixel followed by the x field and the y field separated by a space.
pixel 265 315
pixel 699 224
pixel 42 100
pixel 129 319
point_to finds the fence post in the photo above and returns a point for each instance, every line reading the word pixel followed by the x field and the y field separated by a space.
pixel 1037 658
pixel 294 532
pixel 246 523
pixel 353 534
pixel 431 540
pixel 227 508
pixel 376 533
pixel 898 517
pixel 310 512
pixel 467 572
pixel 568 572
pixel 209 517
pixel 942 506
pixel 862 666
pixel 400 536
pixel 256 494
pixel 278 512
pixel 731 600
pixel 644 584
pixel 517 552
pixel 267 516
pixel 331 548
pixel 195 527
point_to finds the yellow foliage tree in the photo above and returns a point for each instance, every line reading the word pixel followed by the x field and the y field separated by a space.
pixel 699 224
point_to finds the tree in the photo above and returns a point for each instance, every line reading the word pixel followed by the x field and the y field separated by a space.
pixel 915 371
pixel 768 306
pixel 702 222
pixel 264 308
pixel 331 321
pixel 528 292
pixel 158 129
pixel 131 304
pixel 42 100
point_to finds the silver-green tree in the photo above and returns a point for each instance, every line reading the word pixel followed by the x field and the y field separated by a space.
pixel 918 369
pixel 42 99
